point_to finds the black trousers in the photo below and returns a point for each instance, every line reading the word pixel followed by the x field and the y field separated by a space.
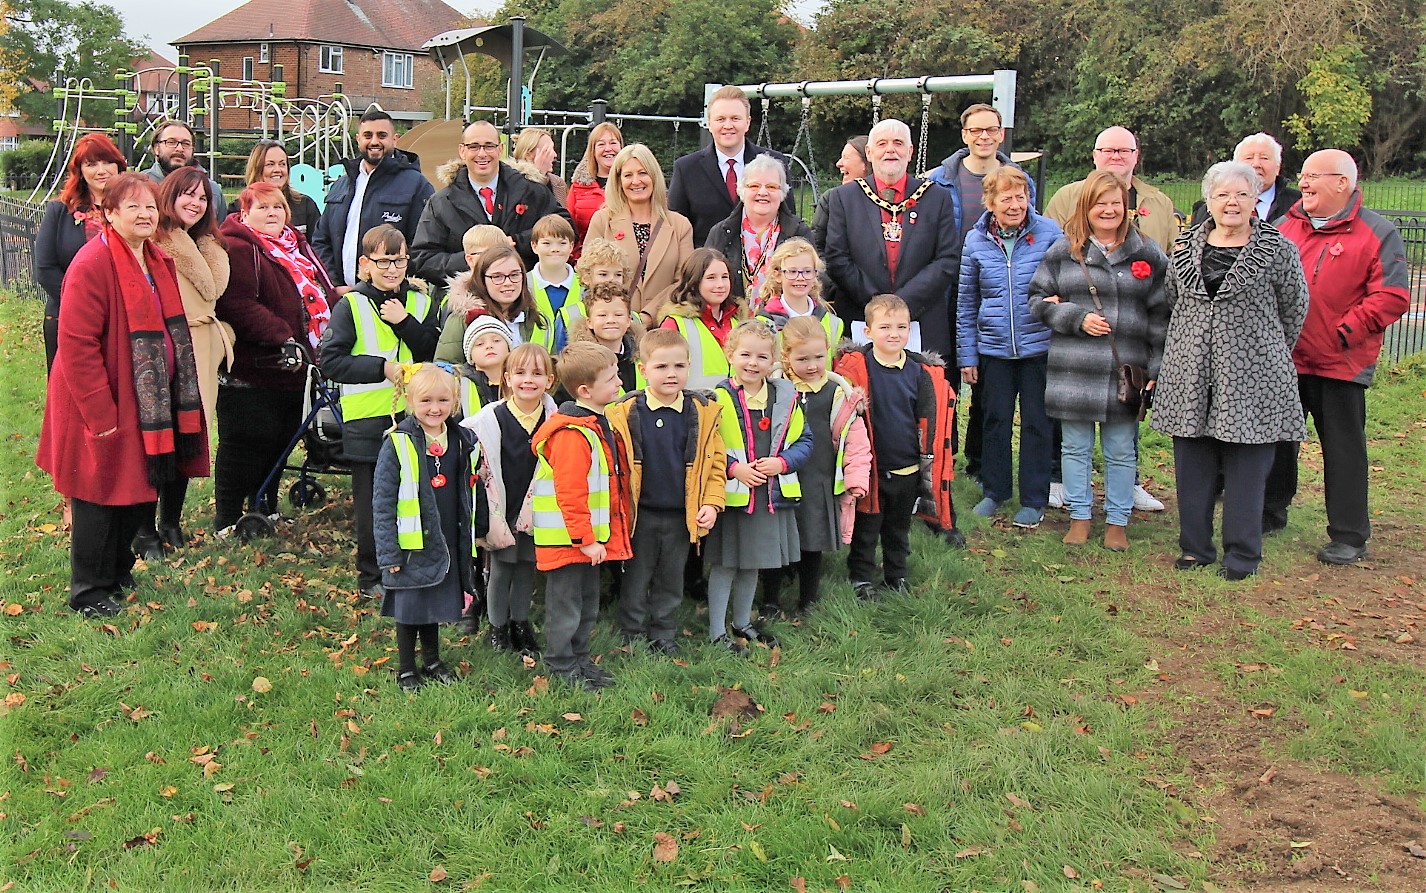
pixel 652 585
pixel 363 482
pixel 1339 411
pixel 100 560
pixel 975 429
pixel 891 527
pixel 50 331
pixel 1003 380
pixel 1198 462
pixel 254 428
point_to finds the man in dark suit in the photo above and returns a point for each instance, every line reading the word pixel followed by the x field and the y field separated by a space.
pixel 890 233
pixel 1265 155
pixel 705 183
pixel 485 190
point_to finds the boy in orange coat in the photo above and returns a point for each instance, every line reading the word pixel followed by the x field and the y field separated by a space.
pixel 581 509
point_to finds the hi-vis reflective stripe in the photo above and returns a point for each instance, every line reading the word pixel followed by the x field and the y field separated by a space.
pixel 707 363
pixel 549 527
pixel 373 399
pixel 470 402
pixel 408 501
pixel 731 426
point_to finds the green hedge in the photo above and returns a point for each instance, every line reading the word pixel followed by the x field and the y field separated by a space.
pixel 21 168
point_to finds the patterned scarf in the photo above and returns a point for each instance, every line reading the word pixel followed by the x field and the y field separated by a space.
pixel 165 375
pixel 311 280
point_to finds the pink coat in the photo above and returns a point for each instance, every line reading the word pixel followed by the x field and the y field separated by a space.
pixel 91 389
pixel 856 459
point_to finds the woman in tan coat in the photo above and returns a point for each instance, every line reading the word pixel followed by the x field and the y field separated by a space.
pixel 188 233
pixel 636 217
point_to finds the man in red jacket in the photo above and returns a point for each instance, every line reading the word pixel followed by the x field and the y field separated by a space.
pixel 1358 282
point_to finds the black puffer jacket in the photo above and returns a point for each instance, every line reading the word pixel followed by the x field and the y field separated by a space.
pixel 727 237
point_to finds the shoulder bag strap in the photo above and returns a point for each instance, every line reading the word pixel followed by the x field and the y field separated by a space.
pixel 644 255
pixel 1099 308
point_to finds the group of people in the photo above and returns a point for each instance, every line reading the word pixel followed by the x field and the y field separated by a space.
pixel 542 347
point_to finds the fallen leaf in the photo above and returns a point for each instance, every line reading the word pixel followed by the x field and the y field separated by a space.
pixel 1268 776
pixel 1017 800
pixel 905 836
pixel 847 804
pixel 437 875
pixel 1299 844
pixel 167 790
pixel 914 808
pixel 758 852
pixel 1070 872
pixel 638 717
pixel 1170 882
pixel 799 884
pixel 880 748
pixel 1415 849
pixel 968 852
pixel 204 626
pixel 572 717
pixel 223 788
pixel 665 847
pixel 262 685
pixel 14 609
pixel 97 774
pixel 843 882
pixel 835 855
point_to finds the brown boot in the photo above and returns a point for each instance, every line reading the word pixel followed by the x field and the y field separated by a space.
pixel 1078 533
pixel 1116 537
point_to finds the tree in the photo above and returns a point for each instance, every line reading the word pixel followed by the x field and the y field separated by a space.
pixel 86 38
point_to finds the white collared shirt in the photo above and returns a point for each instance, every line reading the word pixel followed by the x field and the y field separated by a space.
pixel 1265 202
pixel 493 185
pixel 737 163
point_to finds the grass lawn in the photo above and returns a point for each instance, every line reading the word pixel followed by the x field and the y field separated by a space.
pixel 1032 718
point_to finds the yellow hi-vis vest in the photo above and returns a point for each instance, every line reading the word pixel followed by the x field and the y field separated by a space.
pixel 839 480
pixel 549 528
pixel 707 363
pixel 374 338
pixel 730 425
pixel 559 320
pixel 408 494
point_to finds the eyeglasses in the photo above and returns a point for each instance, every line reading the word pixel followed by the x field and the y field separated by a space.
pixel 1221 197
pixel 799 274
pixel 762 187
pixel 386 263
pixel 1305 177
pixel 498 278
pixel 176 144
pixel 977 131
pixel 478 148
pixel 1115 152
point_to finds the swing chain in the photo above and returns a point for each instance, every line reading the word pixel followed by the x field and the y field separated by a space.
pixel 925 131
pixel 804 129
pixel 762 130
pixel 875 109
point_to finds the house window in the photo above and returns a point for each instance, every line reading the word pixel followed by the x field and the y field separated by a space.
pixel 331 61
pixel 262 55
pixel 9 142
pixel 247 68
pixel 396 69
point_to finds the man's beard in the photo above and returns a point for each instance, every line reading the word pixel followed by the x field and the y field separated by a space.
pixel 170 164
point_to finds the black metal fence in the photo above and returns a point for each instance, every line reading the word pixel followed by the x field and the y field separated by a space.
pixel 19 221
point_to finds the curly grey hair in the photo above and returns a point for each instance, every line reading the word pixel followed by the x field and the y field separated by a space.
pixel 1224 171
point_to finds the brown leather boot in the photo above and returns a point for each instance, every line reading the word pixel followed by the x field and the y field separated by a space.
pixel 1078 533
pixel 1116 537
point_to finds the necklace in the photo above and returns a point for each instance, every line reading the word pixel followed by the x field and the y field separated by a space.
pixel 436 449
pixel 891 229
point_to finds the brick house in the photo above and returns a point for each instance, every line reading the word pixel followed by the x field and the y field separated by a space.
pixel 371 47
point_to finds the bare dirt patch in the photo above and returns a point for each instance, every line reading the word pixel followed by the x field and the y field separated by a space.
pixel 1285 825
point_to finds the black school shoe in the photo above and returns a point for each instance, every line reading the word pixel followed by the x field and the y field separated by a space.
pixel 1341 554
pixel 522 638
pixel 1188 562
pixel 729 643
pixel 597 676
pixel 896 586
pixel 409 680
pixel 753 634
pixel 148 546
pixel 666 647
pixel 439 672
pixel 105 607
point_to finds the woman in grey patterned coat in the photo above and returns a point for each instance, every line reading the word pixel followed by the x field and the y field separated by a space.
pixel 1099 288
pixel 1227 392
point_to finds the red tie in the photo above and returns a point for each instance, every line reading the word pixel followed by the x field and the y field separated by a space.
pixel 732 180
pixel 487 198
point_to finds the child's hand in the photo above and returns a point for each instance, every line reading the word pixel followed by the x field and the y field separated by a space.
pixel 706 516
pixel 768 465
pixel 392 371
pixel 748 475
pixel 856 492
pixel 393 311
pixel 594 552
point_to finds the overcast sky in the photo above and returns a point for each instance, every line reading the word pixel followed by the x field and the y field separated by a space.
pixel 157 24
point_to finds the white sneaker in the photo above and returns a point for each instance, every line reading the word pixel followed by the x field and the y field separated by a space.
pixel 1057 496
pixel 1144 501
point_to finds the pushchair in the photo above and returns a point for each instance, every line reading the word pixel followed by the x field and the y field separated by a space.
pixel 321 437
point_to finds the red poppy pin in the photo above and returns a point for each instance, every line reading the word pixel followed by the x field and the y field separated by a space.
pixel 78 217
pixel 520 209
pixel 438 481
pixel 764 423
pixel 1335 249
pixel 1141 269
pixel 1030 239
pixel 473 479
pixel 911 203
pixel 435 449
pixel 1143 212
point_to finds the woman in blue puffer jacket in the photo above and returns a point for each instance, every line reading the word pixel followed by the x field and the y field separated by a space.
pixel 1003 346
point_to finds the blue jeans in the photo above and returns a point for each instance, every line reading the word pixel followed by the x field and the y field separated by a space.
pixel 1117 441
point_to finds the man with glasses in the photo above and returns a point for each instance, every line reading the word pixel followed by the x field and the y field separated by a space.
pixel 1117 150
pixel 484 190
pixel 1358 284
pixel 172 148
pixel 1265 155
pixel 962 173
pixel 383 184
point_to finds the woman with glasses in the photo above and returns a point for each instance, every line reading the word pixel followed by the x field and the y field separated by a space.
pixel 1227 393
pixel 268 163
pixel 1002 346
pixel 278 302
pixel 384 322
pixel 759 223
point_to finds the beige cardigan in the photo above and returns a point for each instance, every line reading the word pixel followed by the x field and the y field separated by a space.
pixel 202 277
pixel 667 252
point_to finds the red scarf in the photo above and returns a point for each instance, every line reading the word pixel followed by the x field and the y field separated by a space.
pixel 165 374
pixel 311 280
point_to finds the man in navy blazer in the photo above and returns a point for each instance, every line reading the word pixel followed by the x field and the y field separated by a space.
pixel 891 233
pixel 700 188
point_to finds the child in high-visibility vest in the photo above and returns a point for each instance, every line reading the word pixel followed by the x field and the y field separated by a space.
pixel 426 511
pixel 487 342
pixel 839 471
pixel 507 472
pixel 581 509
pixel 704 310
pixel 768 442
pixel 793 289
pixel 553 282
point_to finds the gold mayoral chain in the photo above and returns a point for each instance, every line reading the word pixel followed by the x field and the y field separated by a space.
pixel 891 229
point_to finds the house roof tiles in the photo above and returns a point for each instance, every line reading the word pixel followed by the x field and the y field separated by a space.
pixel 394 24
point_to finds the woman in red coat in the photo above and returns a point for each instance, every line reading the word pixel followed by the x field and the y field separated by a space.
pixel 586 186
pixel 123 415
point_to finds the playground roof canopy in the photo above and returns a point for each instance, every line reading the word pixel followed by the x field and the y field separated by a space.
pixel 393 24
pixel 490 40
